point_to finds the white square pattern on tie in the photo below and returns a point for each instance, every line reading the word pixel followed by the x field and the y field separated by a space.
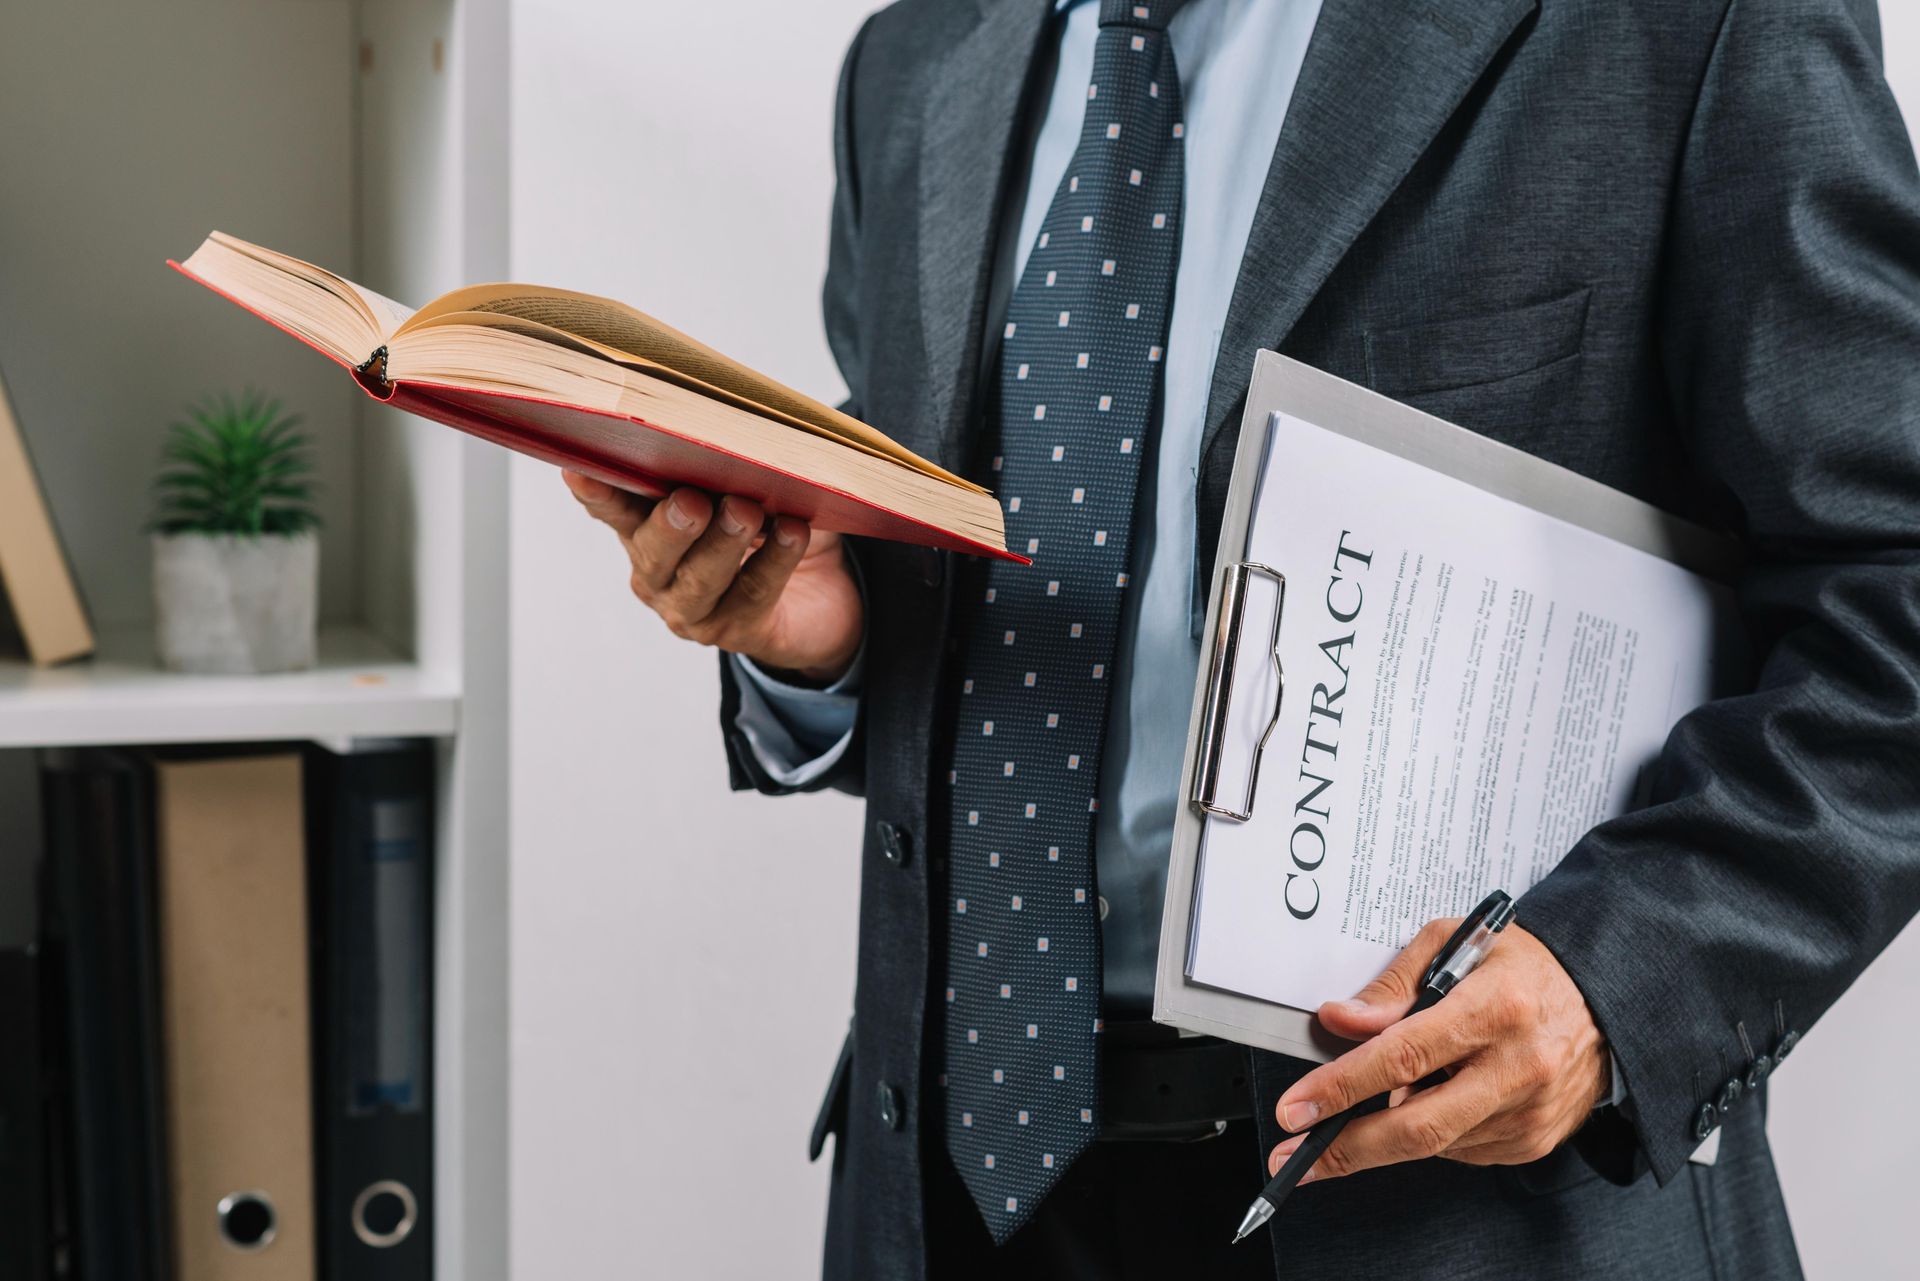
pixel 1080 363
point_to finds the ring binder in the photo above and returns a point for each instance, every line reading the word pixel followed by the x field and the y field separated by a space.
pixel 370 842
pixel 1219 701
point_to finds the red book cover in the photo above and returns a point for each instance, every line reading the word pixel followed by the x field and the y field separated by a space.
pixel 642 457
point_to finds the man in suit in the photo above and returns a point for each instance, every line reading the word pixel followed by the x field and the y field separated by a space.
pixel 1671 245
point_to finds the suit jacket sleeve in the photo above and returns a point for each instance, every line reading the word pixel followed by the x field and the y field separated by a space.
pixel 1783 850
pixel 744 769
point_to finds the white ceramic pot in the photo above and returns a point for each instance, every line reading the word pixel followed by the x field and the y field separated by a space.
pixel 236 604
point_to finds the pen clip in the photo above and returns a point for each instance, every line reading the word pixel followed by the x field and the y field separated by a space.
pixel 1219 699
pixel 1495 913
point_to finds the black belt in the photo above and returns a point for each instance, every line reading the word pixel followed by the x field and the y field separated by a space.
pixel 1157 1084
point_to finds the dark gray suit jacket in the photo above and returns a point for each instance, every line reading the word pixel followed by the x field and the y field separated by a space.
pixel 1671 244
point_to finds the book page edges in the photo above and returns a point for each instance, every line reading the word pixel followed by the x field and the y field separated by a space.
pixel 248 307
pixel 456 321
pixel 722 375
pixel 386 315
pixel 435 401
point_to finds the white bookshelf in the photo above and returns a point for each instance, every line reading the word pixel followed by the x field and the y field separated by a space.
pixel 360 688
pixel 370 135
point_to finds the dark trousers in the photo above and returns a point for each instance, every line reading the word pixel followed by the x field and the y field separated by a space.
pixel 1125 1210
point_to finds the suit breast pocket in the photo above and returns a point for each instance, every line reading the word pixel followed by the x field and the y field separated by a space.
pixel 1497 373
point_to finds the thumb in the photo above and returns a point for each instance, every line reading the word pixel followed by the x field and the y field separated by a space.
pixel 1386 1000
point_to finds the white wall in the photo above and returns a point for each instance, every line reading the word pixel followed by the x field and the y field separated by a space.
pixel 677 156
pixel 682 959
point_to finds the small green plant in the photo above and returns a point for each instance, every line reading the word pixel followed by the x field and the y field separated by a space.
pixel 235 468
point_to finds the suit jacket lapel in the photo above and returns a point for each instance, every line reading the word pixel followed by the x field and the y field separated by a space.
pixel 968 131
pixel 1380 79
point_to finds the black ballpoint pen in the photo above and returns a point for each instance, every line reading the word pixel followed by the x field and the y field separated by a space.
pixel 1464 951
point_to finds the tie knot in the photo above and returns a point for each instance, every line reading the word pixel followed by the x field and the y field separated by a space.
pixel 1151 14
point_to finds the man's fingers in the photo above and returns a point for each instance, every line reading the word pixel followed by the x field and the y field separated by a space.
pixel 1428 1124
pixel 615 508
pixel 586 488
pixel 687 562
pixel 710 566
pixel 761 580
pixel 1404 1054
pixel 660 543
pixel 1388 998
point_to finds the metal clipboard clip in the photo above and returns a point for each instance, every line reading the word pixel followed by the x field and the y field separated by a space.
pixel 1219 703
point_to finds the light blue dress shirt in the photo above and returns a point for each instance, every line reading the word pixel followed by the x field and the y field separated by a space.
pixel 1238 60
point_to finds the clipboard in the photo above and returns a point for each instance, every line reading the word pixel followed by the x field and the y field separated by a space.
pixel 1234 623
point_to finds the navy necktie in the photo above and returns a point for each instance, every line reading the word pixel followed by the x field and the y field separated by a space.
pixel 1080 361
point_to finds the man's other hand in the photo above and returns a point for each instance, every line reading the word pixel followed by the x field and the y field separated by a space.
pixel 718 574
pixel 1525 1063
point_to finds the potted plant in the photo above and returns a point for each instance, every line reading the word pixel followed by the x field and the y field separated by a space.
pixel 236 548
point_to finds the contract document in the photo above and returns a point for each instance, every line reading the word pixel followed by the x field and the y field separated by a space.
pixel 1465 684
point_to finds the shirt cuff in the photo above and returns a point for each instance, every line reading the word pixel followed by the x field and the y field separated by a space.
pixel 797 734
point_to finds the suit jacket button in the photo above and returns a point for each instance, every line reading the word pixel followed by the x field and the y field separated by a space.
pixel 893 1110
pixel 932 566
pixel 895 844
pixel 1703 1122
pixel 1785 1047
pixel 1757 1071
pixel 1729 1095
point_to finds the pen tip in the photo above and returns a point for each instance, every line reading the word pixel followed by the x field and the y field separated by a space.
pixel 1239 1236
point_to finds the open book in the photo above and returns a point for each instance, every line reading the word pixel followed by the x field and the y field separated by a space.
pixel 608 391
